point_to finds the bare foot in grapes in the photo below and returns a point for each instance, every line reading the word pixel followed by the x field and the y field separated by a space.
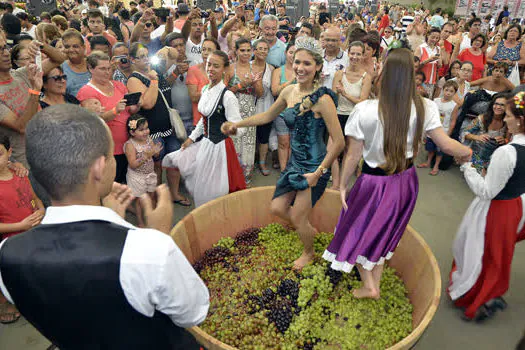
pixel 303 260
pixel 364 292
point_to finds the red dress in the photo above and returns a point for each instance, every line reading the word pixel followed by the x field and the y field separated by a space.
pixel 485 242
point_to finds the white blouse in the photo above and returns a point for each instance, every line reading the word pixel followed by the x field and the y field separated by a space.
pixel 501 168
pixel 209 101
pixel 365 125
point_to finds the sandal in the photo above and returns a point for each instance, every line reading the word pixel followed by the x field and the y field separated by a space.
pixel 184 202
pixel 423 165
pixel 433 172
pixel 7 316
pixel 264 171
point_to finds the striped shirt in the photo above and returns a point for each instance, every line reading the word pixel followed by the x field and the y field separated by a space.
pixel 406 20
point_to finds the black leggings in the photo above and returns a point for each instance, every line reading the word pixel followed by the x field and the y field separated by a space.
pixel 122 168
pixel 263 133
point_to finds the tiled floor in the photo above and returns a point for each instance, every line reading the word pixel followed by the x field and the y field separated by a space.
pixel 442 201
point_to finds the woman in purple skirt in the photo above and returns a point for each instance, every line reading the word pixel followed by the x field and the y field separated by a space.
pixel 385 132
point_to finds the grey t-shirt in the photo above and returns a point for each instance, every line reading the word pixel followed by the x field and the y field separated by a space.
pixel 14 96
pixel 74 80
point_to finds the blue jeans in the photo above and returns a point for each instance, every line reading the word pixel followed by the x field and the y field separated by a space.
pixel 169 144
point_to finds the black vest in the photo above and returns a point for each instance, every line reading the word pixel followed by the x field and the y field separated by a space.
pixel 515 187
pixel 213 123
pixel 64 279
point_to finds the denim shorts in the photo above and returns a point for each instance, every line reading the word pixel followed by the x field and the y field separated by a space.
pixel 280 127
pixel 430 146
pixel 169 144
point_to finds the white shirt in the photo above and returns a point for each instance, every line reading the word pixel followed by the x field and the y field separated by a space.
pixel 501 168
pixel 157 33
pixel 445 111
pixel 465 42
pixel 154 273
pixel 340 62
pixel 194 51
pixel 364 124
pixel 31 32
pixel 209 101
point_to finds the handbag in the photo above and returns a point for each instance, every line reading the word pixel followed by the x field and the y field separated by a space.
pixel 175 120
pixel 514 76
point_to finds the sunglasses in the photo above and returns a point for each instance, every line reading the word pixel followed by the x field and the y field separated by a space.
pixel 57 77
pixel 148 25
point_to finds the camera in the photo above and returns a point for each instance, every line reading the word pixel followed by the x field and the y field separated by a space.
pixel 122 59
pixel 205 14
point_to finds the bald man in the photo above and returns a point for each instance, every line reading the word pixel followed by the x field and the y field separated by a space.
pixel 334 58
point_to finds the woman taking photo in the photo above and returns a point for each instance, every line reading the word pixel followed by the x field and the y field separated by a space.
pixel 259 66
pixel 210 167
pixel 75 67
pixel 54 89
pixel 509 50
pixel 484 246
pixel 352 85
pixel 110 95
pixel 486 133
pixel 387 134
pixel 281 78
pixel 308 111
pixel 429 54
pixel 247 86
pixel 153 106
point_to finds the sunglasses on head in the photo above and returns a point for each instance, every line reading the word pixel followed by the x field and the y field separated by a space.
pixel 57 77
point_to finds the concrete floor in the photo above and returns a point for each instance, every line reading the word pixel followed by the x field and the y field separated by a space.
pixel 443 200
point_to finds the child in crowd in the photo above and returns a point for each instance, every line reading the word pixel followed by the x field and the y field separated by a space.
pixel 94 106
pixel 20 210
pixel 420 83
pixel 446 106
pixel 140 150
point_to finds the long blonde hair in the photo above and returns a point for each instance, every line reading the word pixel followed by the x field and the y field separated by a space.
pixel 398 92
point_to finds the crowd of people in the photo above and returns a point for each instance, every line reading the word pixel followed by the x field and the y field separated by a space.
pixel 208 99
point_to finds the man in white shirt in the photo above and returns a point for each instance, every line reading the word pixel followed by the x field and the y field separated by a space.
pixel 161 21
pixel 334 58
pixel 90 279
pixel 27 27
pixel 193 32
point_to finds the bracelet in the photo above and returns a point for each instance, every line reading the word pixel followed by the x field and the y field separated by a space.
pixel 239 86
pixel 114 110
pixel 154 81
pixel 174 75
pixel 33 92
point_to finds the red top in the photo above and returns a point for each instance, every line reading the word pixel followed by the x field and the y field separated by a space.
pixel 385 22
pixel 117 126
pixel 16 201
pixel 478 61
pixel 196 77
pixel 444 68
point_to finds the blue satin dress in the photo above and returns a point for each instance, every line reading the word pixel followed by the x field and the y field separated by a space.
pixel 308 148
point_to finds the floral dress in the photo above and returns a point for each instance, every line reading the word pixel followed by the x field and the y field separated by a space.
pixel 482 151
pixel 506 53
pixel 245 144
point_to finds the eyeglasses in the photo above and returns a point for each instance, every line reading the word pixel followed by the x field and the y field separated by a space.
pixel 62 77
pixel 466 70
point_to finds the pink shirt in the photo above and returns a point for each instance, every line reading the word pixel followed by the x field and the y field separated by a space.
pixel 117 126
pixel 196 77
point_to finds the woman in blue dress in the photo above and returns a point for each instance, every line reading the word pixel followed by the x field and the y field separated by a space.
pixel 308 110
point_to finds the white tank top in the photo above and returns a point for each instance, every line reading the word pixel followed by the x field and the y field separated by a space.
pixel 345 106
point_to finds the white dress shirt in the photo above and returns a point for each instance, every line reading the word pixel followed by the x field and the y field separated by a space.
pixel 364 124
pixel 340 62
pixel 154 273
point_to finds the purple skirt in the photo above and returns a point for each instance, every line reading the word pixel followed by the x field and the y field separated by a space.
pixel 379 208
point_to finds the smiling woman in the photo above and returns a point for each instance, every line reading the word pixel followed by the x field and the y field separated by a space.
pixel 55 89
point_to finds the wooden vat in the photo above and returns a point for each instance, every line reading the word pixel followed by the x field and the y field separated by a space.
pixel 413 259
